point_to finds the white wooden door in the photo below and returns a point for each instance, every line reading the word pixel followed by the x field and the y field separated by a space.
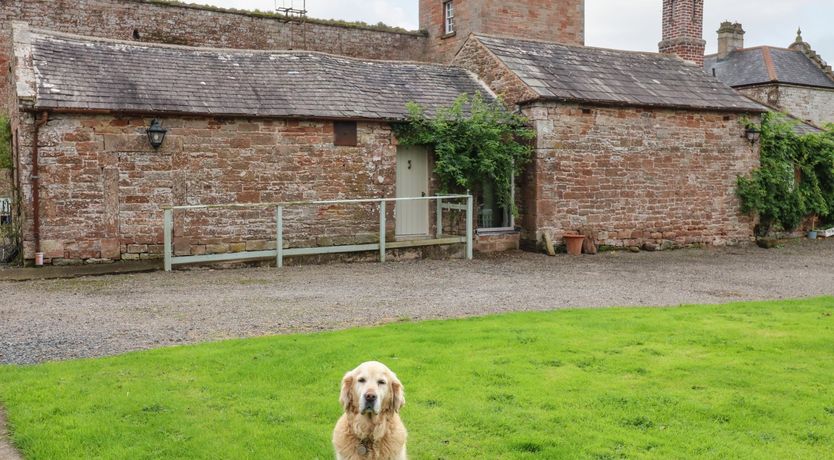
pixel 412 217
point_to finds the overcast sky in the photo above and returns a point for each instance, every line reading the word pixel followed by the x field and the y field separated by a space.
pixel 621 24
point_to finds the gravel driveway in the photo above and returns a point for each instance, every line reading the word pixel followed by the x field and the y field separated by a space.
pixel 63 319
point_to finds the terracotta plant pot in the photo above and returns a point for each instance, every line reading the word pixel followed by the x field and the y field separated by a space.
pixel 574 243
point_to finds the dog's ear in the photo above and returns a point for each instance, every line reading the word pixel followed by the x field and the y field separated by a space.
pixel 398 394
pixel 346 396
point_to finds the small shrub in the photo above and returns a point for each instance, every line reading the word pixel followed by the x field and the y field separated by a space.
pixel 474 141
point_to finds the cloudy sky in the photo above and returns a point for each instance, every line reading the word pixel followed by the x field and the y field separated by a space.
pixel 622 24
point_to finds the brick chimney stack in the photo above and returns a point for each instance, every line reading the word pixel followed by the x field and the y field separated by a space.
pixel 683 30
pixel 730 38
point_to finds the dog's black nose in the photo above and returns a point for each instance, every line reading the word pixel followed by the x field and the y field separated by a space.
pixel 370 397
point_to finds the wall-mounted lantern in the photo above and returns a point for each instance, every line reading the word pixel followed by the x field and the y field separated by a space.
pixel 753 133
pixel 156 134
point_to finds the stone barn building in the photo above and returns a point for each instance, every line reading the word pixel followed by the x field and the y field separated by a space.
pixel 642 149
pixel 795 80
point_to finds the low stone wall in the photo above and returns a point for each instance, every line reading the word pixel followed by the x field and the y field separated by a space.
pixel 637 177
pixel 103 188
pixel 486 243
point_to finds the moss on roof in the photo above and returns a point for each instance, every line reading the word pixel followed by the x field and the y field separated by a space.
pixel 379 27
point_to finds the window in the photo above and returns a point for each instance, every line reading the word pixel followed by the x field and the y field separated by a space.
pixel 449 17
pixel 344 133
pixel 491 215
pixel 5 211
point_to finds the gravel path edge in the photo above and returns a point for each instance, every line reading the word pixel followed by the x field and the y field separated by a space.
pixel 7 450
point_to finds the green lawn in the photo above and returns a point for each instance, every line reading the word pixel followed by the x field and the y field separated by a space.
pixel 748 380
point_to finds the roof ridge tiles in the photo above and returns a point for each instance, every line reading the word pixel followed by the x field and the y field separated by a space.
pixel 670 57
pixel 771 68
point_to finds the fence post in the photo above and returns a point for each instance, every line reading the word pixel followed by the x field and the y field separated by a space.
pixel 279 236
pixel 168 230
pixel 469 227
pixel 439 218
pixel 382 231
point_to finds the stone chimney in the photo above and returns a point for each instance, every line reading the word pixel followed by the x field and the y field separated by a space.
pixel 730 38
pixel 683 30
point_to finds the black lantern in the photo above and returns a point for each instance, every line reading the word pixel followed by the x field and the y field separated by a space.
pixel 753 134
pixel 156 134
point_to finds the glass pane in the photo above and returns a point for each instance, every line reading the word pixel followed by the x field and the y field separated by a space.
pixel 490 213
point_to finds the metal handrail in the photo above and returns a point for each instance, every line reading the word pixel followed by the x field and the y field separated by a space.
pixel 322 202
pixel 279 253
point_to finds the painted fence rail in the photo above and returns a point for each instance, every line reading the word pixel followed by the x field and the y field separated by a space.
pixel 279 253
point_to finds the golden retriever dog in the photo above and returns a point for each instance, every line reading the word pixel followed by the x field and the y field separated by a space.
pixel 370 428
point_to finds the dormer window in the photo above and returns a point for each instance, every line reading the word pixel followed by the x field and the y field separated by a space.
pixel 449 17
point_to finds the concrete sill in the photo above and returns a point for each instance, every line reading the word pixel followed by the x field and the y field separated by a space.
pixel 498 232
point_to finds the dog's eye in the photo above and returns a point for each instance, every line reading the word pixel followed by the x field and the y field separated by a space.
pixel 380 382
pixel 362 380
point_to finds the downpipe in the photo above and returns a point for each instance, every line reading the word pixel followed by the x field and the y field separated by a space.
pixel 36 192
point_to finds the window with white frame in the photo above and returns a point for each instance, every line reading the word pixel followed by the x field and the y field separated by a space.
pixel 449 17
pixel 492 216
pixel 5 211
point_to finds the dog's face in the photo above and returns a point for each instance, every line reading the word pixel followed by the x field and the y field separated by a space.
pixel 371 389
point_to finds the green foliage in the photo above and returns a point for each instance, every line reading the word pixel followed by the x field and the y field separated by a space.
pixel 773 192
pixel 474 141
pixel 5 143
pixel 741 381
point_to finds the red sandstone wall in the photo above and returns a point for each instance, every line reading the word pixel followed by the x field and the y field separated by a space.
pixel 200 27
pixel 103 187
pixel 638 177
pixel 561 21
pixel 476 58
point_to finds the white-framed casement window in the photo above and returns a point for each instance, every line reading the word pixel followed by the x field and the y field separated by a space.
pixel 492 216
pixel 5 211
pixel 449 17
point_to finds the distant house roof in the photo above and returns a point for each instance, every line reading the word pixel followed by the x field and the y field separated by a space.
pixel 88 74
pixel 767 64
pixel 579 73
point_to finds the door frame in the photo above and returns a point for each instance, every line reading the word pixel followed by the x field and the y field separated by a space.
pixel 427 220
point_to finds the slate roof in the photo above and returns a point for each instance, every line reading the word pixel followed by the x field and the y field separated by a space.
pixel 767 64
pixel 80 73
pixel 580 73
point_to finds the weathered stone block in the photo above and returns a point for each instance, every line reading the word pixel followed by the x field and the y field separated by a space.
pixel 137 248
pixel 111 249
pixel 220 248
pixel 52 249
pixel 256 245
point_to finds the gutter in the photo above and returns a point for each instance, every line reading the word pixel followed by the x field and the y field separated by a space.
pixel 619 104
pixel 36 193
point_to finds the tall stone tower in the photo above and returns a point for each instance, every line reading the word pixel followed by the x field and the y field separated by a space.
pixel 683 30
pixel 449 22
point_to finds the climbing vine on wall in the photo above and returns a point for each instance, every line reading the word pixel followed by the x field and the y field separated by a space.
pixel 795 180
pixel 5 143
pixel 474 141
